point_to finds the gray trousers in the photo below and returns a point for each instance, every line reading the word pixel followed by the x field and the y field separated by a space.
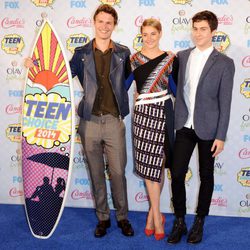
pixel 109 132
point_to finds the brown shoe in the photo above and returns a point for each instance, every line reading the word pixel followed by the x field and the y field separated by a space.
pixel 101 227
pixel 126 227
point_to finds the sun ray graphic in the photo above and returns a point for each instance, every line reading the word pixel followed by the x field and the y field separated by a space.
pixel 50 68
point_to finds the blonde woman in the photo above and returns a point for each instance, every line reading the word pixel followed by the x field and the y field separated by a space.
pixel 153 118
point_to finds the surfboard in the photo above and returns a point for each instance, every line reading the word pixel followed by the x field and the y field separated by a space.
pixel 47 133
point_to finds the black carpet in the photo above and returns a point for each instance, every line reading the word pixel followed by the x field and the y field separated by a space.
pixel 75 231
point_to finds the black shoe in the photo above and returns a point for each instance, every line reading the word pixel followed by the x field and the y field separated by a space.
pixel 101 227
pixel 126 227
pixel 196 232
pixel 179 229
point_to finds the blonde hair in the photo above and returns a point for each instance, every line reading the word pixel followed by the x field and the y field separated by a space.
pixel 153 23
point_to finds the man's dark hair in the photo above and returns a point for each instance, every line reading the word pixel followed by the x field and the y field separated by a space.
pixel 208 16
pixel 107 9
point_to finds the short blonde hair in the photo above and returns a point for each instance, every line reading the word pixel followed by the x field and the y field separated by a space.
pixel 153 23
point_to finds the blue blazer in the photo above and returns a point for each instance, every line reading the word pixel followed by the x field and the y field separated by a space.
pixel 213 96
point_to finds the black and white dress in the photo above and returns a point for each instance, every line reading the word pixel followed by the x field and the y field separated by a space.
pixel 149 121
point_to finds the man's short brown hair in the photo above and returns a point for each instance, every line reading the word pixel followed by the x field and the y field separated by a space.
pixel 107 9
pixel 208 16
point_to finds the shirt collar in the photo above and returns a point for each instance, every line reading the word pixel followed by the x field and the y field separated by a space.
pixel 205 52
pixel 111 45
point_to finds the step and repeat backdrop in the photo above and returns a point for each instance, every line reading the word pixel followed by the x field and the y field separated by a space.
pixel 20 21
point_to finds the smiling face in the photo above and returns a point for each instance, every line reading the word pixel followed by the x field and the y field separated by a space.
pixel 151 37
pixel 104 25
pixel 202 35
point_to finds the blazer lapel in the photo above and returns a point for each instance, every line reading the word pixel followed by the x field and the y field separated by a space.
pixel 185 61
pixel 89 62
pixel 210 61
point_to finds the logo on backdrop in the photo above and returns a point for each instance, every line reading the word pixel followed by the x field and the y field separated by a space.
pixel 244 153
pixel 12 23
pixel 245 204
pixel 14 192
pixel 39 22
pixel 12 109
pixel 141 197
pixel 13 132
pixel 219 169
pixel 243 177
pixel 225 20
pixel 183 44
pixel 137 42
pixel 245 124
pixel 221 41
pixel 73 22
pixel 77 195
pixel 219 2
pixel 139 20
pixel 15 93
pixel 12 44
pixel 79 161
pixel 76 40
pixel 11 5
pixel 245 88
pixel 219 202
pixel 17 179
pixel 82 181
pixel 183 2
pixel 147 3
pixel 247 25
pixel 43 3
pixel 77 136
pixel 14 72
pixel 15 159
pixel 218 188
pixel 78 4
pixel 181 23
pixel 111 2
pixel 246 62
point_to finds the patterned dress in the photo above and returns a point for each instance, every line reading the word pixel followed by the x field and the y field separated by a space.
pixel 149 121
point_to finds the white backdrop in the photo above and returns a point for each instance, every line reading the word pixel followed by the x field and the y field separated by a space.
pixel 19 23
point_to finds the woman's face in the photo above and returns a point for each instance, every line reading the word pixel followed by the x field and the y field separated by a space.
pixel 151 37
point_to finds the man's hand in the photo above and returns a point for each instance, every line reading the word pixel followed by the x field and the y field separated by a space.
pixel 217 147
pixel 28 63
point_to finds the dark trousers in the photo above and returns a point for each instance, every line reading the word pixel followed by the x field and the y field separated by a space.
pixel 186 140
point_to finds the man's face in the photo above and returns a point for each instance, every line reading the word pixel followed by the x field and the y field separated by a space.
pixel 104 25
pixel 202 35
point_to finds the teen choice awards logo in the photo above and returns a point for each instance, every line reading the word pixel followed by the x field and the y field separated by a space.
pixel 76 40
pixel 245 88
pixel 137 42
pixel 46 120
pixel 12 44
pixel 243 177
pixel 182 1
pixel 221 41
pixel 77 136
pixel 111 2
pixel 188 175
pixel 43 3
pixel 13 132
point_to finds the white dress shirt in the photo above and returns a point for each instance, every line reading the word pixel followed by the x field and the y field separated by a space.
pixel 196 62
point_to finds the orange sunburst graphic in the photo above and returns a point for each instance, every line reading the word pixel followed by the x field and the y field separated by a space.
pixel 50 68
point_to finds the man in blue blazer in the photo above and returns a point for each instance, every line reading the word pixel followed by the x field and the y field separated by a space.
pixel 202 110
